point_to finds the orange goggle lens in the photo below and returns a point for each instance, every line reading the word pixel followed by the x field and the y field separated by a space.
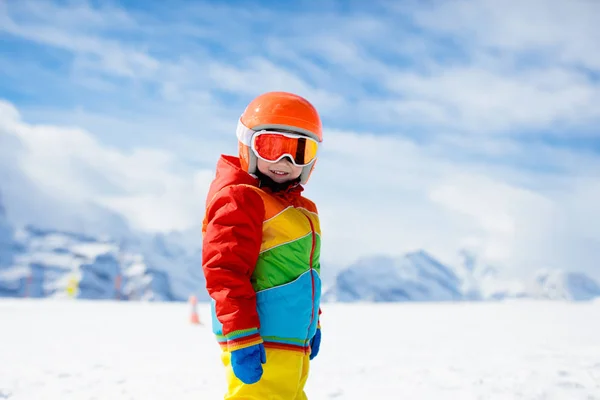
pixel 273 146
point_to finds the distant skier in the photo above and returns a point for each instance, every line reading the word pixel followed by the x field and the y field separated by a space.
pixel 261 247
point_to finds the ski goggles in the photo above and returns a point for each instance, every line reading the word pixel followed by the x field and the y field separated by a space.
pixel 272 146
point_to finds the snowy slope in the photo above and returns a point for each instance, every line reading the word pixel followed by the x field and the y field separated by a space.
pixel 65 264
pixel 414 277
pixel 564 285
pixel 59 350
pixel 177 255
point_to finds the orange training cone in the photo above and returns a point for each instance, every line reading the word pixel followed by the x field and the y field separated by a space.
pixel 194 317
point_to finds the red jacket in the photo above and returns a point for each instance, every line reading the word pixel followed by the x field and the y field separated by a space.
pixel 259 241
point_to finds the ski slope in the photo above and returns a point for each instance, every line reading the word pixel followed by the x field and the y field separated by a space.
pixel 60 349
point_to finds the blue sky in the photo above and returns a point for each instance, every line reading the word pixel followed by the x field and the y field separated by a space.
pixel 447 124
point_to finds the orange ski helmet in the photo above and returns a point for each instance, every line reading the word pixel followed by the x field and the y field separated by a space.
pixel 277 111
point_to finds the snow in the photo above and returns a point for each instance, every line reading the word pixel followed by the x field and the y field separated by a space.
pixel 565 285
pixel 418 276
pixel 520 349
pixel 413 277
pixel 154 268
pixel 176 256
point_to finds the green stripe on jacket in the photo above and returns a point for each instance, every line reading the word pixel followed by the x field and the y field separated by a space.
pixel 285 263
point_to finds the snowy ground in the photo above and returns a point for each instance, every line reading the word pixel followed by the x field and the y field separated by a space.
pixel 524 350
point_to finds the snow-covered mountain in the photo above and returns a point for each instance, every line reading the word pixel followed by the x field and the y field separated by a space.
pixel 488 283
pixel 48 263
pixel 420 277
pixel 413 277
pixel 178 255
pixel 41 262
pixel 564 285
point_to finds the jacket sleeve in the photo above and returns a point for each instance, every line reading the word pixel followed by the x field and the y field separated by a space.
pixel 230 249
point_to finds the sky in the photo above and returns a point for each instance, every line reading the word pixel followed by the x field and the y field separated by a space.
pixel 447 125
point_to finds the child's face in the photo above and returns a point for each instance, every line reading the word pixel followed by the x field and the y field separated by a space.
pixel 281 171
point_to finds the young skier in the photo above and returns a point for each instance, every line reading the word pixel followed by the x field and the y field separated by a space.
pixel 261 248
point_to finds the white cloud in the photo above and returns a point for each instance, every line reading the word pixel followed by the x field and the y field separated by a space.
pixel 553 28
pixel 149 187
pixel 77 14
pixel 517 69
pixel 504 216
pixel 259 74
pixel 485 100
pixel 109 55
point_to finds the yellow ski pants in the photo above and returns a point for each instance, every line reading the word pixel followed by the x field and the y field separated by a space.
pixel 284 377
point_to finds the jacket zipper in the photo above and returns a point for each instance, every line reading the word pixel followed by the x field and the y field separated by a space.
pixel 312 278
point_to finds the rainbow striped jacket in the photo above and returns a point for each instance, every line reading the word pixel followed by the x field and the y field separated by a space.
pixel 260 257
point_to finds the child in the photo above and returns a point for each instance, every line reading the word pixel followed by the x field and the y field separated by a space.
pixel 261 248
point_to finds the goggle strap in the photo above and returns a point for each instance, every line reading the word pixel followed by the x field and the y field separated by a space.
pixel 244 134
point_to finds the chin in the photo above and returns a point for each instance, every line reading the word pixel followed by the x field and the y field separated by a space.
pixel 279 179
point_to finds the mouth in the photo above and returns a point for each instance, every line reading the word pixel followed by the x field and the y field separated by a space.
pixel 278 172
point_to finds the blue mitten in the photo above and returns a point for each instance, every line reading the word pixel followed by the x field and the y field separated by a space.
pixel 315 342
pixel 247 363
